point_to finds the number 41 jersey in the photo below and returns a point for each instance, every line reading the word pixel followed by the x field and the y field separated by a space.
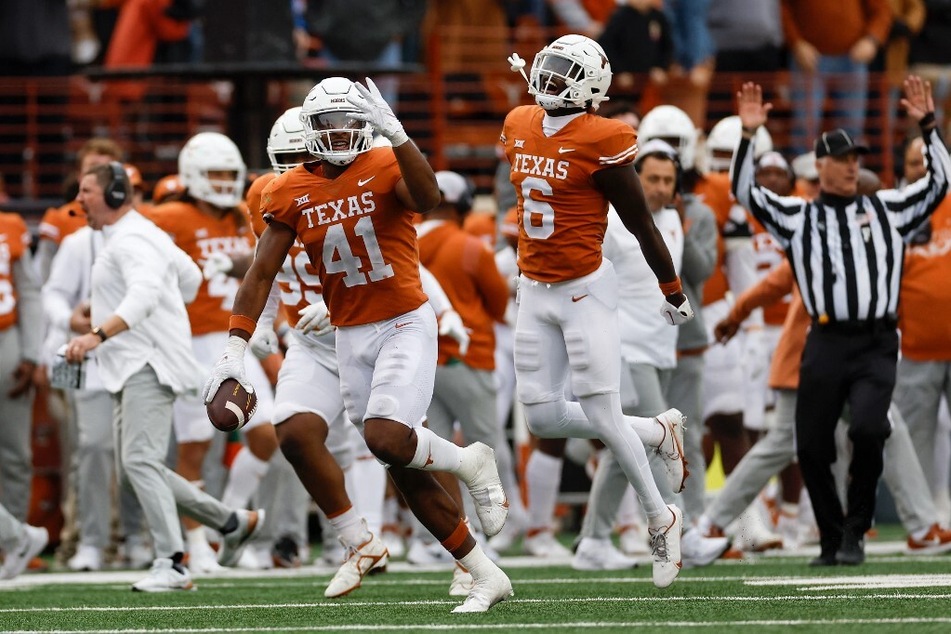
pixel 357 234
pixel 562 216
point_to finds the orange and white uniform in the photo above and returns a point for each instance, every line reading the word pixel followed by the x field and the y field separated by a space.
pixel 59 222
pixel 567 291
pixel 199 234
pixel 361 241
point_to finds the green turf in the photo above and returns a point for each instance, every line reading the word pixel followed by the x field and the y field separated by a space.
pixel 913 597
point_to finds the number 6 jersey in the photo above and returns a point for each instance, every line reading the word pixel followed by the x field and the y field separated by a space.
pixel 357 234
pixel 562 216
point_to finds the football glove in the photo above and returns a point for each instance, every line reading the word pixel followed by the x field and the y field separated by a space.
pixel 264 342
pixel 229 366
pixel 314 319
pixel 374 110
pixel 676 315
pixel 450 325
pixel 216 263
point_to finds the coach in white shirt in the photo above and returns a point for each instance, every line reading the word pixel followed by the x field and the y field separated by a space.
pixel 140 283
pixel 649 352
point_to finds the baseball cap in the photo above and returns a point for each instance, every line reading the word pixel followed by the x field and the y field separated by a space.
pixel 837 143
pixel 453 186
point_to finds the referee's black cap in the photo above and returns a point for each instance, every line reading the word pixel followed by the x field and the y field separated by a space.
pixel 837 143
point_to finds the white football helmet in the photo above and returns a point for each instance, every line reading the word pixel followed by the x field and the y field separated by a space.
pixel 723 139
pixel 571 72
pixel 285 145
pixel 212 152
pixel 671 124
pixel 330 133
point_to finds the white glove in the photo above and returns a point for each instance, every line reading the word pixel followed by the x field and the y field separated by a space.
pixel 263 342
pixel 229 366
pixel 676 315
pixel 314 319
pixel 216 263
pixel 374 110
pixel 450 325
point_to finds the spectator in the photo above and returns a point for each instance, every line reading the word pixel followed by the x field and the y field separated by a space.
pixel 930 55
pixel 587 17
pixel 637 40
pixel 748 35
pixel 832 44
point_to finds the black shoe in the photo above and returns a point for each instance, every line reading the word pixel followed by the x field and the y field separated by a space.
pixel 852 552
pixel 285 553
pixel 825 559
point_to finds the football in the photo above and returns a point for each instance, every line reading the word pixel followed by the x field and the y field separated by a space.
pixel 232 407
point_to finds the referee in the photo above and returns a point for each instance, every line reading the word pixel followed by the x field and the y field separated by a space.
pixel 846 251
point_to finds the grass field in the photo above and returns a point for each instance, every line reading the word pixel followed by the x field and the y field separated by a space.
pixel 891 592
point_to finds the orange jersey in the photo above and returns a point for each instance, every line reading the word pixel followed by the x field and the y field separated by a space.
pixel 59 222
pixel 465 268
pixel 297 278
pixel 199 235
pixel 714 191
pixel 14 241
pixel 358 236
pixel 562 216
pixel 922 311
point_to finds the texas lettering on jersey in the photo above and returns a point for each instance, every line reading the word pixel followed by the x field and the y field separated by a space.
pixel 358 236
pixel 562 217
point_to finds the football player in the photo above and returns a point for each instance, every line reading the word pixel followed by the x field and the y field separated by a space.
pixel 353 213
pixel 567 164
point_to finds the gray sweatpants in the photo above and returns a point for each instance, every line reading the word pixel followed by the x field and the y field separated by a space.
pixel 142 428
pixel 919 388
pixel 16 415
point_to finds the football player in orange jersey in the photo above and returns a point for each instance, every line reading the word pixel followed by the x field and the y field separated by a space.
pixel 353 213
pixel 567 164
pixel 209 220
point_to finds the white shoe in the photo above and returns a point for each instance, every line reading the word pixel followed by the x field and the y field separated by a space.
pixel 750 533
pixel 633 540
pixel 544 544
pixel 671 448
pixel 481 476
pixel 697 550
pixel 370 554
pixel 255 558
pixel 202 560
pixel 31 544
pixel 234 542
pixel 87 558
pixel 486 592
pixel 422 554
pixel 393 541
pixel 665 547
pixel 462 582
pixel 136 554
pixel 600 554
pixel 164 577
pixel 788 527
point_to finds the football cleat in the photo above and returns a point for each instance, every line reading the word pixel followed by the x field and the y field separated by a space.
pixel 481 476
pixel 665 548
pixel 671 448
pixel 371 554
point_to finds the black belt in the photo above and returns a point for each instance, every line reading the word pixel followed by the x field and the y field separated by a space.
pixel 857 327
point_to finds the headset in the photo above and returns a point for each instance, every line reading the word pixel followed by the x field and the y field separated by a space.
pixel 116 192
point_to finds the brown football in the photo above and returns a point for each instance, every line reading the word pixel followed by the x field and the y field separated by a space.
pixel 232 407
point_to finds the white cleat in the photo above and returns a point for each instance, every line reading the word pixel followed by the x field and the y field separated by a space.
pixel 250 524
pixel 665 548
pixel 544 544
pixel 481 476
pixel 31 544
pixel 462 582
pixel 671 448
pixel 633 540
pixel 86 559
pixel 368 555
pixel 486 592
pixel 697 551
pixel 600 554
pixel 164 577
pixel 202 560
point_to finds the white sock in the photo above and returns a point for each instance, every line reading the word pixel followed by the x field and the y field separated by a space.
pixel 543 478
pixel 476 562
pixel 350 527
pixel 434 453
pixel 243 479
pixel 649 430
pixel 196 539
pixel 368 496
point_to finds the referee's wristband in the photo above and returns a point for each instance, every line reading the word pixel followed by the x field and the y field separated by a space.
pixel 927 122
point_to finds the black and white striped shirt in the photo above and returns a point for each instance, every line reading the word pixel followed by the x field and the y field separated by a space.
pixel 846 252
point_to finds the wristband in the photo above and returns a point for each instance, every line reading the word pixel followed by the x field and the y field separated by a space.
pixel 926 121
pixel 671 288
pixel 240 322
